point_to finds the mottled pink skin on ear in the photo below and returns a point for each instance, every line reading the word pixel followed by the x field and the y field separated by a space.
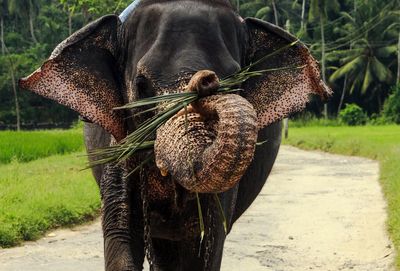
pixel 80 74
pixel 277 94
pixel 282 93
pixel 54 82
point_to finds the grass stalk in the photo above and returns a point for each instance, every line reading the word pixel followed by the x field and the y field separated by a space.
pixel 168 105
pixel 222 213
pixel 201 221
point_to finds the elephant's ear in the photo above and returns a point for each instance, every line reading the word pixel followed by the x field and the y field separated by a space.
pixel 277 94
pixel 82 73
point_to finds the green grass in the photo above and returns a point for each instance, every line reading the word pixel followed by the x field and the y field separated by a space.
pixel 44 194
pixel 376 142
pixel 28 146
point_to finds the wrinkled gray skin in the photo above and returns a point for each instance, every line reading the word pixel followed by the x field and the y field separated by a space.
pixel 155 50
pixel 194 40
pixel 183 255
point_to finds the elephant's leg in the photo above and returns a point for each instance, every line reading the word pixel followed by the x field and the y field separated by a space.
pixel 123 251
pixel 95 138
pixel 211 248
pixel 165 255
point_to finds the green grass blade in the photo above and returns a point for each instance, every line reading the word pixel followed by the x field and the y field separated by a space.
pixel 201 221
pixel 222 213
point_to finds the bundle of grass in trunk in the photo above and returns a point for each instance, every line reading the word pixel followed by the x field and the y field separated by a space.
pixel 171 104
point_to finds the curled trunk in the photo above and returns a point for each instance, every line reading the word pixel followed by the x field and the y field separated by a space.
pixel 209 148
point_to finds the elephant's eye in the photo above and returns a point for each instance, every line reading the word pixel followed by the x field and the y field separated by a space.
pixel 143 86
pixel 141 82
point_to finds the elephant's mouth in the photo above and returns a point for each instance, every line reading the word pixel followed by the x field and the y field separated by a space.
pixel 208 147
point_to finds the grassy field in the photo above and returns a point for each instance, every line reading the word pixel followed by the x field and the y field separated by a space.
pixel 43 194
pixel 28 146
pixel 376 142
pixel 42 185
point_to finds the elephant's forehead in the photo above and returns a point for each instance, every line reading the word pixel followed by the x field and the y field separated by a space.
pixel 220 3
pixel 186 37
pixel 184 20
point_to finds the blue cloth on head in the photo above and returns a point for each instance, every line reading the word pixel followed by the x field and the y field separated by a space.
pixel 124 14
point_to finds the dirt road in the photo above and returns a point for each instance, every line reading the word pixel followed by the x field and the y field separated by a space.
pixel 317 212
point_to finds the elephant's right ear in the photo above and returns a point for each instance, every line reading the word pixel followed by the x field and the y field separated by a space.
pixel 293 73
pixel 82 73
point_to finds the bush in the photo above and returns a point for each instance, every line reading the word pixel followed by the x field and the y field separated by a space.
pixel 391 108
pixel 377 119
pixel 353 115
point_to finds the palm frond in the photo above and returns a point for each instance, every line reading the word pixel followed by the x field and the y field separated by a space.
pixel 347 68
pixel 368 79
pixel 387 50
pixel 381 71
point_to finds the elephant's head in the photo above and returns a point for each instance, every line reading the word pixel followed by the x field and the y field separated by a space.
pixel 157 47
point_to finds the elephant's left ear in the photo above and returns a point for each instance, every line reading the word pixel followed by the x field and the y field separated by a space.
pixel 293 77
pixel 82 73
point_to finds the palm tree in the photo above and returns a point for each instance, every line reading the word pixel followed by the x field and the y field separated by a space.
pixel 319 9
pixel 303 16
pixel 373 38
pixel 346 76
pixel 398 60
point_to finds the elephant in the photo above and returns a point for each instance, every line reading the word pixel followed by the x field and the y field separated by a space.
pixel 157 47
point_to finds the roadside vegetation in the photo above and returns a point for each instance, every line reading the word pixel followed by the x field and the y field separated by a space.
pixel 44 194
pixel 357 43
pixel 381 143
pixel 42 184
pixel 27 146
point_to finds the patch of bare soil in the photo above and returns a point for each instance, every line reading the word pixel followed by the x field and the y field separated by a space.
pixel 317 212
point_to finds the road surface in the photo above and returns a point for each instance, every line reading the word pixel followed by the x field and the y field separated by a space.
pixel 317 212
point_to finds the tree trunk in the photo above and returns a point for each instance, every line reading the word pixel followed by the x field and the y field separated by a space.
pixel 321 21
pixel 343 94
pixel 70 22
pixel 275 12
pixel 346 76
pixel 14 86
pixel 379 102
pixel 17 112
pixel 286 127
pixel 303 15
pixel 238 6
pixel 3 50
pixel 85 13
pixel 31 27
pixel 398 61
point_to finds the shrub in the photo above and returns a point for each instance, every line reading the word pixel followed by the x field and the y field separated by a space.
pixel 378 119
pixel 353 115
pixel 391 108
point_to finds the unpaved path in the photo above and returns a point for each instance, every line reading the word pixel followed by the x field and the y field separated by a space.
pixel 317 212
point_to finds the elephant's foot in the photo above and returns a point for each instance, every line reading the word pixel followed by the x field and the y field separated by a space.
pixel 118 257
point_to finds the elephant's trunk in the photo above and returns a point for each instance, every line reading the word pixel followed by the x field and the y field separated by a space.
pixel 209 148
